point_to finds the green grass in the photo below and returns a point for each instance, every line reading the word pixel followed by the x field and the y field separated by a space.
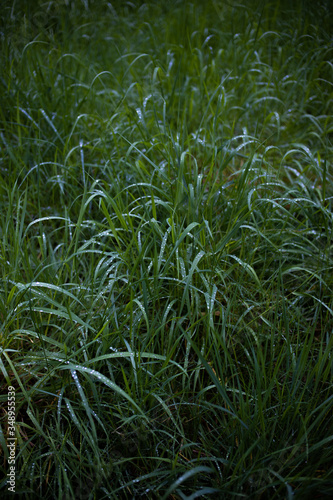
pixel 166 301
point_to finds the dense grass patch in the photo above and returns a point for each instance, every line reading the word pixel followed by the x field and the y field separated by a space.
pixel 166 300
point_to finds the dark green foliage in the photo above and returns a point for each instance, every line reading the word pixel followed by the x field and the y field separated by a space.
pixel 166 298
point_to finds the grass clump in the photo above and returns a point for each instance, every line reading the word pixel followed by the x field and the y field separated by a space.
pixel 166 248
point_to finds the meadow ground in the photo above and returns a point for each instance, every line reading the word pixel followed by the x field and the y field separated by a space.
pixel 166 302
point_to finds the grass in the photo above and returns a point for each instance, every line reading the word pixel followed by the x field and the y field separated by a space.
pixel 166 298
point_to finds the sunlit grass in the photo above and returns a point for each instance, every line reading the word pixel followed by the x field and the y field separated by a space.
pixel 166 248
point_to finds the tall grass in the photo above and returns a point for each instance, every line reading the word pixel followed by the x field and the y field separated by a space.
pixel 166 248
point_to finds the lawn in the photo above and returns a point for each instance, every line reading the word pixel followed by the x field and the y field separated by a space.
pixel 166 249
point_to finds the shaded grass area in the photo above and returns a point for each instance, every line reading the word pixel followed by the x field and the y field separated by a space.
pixel 166 248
